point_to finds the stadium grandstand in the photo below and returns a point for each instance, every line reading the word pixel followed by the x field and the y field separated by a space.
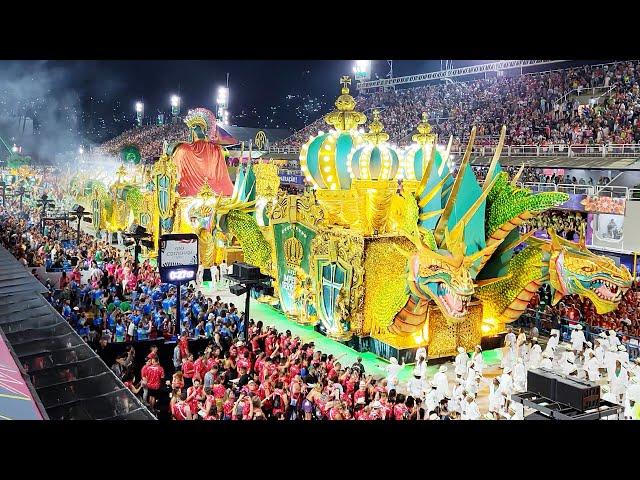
pixel 150 139
pixel 579 107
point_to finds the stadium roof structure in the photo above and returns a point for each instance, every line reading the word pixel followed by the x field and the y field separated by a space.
pixel 70 380
pixel 455 72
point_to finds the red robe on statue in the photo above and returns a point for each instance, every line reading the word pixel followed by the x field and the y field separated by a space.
pixel 197 161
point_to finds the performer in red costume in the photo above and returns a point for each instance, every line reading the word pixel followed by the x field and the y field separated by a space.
pixel 202 159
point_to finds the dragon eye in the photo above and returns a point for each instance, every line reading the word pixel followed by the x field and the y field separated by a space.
pixel 587 268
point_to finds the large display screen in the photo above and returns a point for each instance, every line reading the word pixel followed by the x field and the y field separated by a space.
pixel 178 257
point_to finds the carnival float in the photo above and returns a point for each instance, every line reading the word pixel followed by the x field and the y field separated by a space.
pixel 391 249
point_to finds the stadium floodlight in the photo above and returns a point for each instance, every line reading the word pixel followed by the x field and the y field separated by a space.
pixel 139 113
pixel 223 96
pixel 362 69
pixel 80 150
pixel 14 149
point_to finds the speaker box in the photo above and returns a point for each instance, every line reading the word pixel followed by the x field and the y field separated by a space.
pixel 137 229
pixel 244 271
pixel 579 394
pixel 542 382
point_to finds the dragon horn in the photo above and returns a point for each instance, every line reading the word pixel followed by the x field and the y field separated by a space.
pixel 427 171
pixel 415 239
pixel 496 157
pixel 444 218
pixel 447 152
pixel 555 241
pixel 445 157
pixel 582 243
pixel 433 192
pixel 472 210
pixel 524 238
pixel 517 176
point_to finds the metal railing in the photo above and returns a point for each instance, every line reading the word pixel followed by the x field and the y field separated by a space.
pixel 551 150
pixel 555 150
pixel 614 191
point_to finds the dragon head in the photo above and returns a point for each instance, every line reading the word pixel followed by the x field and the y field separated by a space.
pixel 573 269
pixel 441 275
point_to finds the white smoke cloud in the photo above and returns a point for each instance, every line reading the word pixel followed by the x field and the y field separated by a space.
pixel 47 94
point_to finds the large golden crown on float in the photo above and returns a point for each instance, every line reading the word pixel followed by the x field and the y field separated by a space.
pixel 376 159
pixel 417 155
pixel 324 158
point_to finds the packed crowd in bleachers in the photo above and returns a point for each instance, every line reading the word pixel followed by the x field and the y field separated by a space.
pixel 537 109
pixel 148 139
pixel 566 223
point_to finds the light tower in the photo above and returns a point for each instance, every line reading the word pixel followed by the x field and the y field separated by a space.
pixel 139 113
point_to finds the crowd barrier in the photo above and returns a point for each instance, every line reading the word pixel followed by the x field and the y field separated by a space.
pixel 545 323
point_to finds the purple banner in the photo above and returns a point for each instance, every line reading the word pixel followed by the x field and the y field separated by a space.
pixel 574 202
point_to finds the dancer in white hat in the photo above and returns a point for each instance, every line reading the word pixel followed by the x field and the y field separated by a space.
pixel 547 360
pixel 602 342
pixel 519 376
pixel 461 362
pixel 535 354
pixel 478 361
pixel 618 382
pixel 610 357
pixel 552 343
pixel 631 398
pixel 577 340
pixel 470 410
pixel 614 341
pixel 432 399
pixel 495 398
pixel 442 382
pixel 623 355
pixel 592 367
pixel 392 373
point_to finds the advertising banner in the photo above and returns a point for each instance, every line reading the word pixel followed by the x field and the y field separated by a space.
pixel 292 179
pixel 293 248
pixel 596 204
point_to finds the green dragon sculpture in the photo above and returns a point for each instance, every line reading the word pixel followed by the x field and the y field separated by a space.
pixel 460 225
pixel 568 267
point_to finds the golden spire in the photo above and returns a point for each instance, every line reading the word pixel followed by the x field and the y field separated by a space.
pixel 121 172
pixel 345 117
pixel 376 133
pixel 424 136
